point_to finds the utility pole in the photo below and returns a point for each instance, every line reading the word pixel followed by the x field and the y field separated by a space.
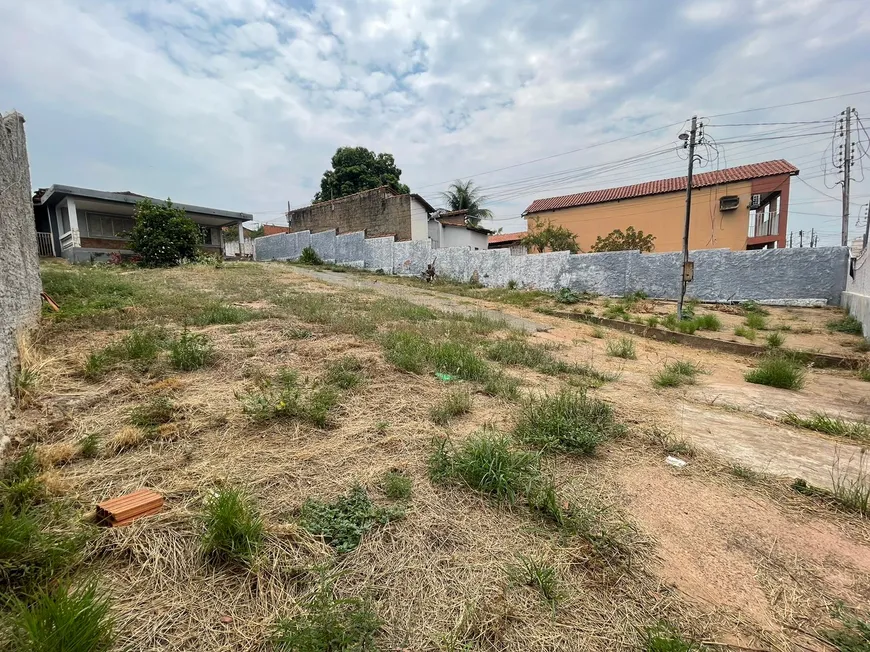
pixel 847 171
pixel 790 239
pixel 801 239
pixel 867 229
pixel 812 237
pixel 687 271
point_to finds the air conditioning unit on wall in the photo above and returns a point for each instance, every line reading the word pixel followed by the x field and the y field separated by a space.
pixel 729 203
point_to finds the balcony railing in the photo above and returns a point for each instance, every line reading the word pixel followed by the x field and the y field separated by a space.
pixel 765 224
pixel 44 244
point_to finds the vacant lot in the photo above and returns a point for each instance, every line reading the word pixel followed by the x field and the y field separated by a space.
pixel 345 467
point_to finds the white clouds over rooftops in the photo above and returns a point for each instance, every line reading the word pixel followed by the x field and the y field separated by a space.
pixel 240 103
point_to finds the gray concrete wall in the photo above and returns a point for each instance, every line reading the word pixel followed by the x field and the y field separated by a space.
pixel 794 276
pixel 20 284
pixel 856 298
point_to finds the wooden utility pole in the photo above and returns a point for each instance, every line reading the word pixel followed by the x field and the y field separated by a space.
pixel 801 239
pixel 847 171
pixel 687 271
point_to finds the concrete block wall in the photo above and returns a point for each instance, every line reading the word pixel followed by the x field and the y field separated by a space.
pixel 856 298
pixel 20 283
pixel 795 276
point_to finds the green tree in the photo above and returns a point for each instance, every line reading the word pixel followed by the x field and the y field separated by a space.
pixel 466 195
pixel 231 233
pixel 163 235
pixel 631 240
pixel 355 169
pixel 545 235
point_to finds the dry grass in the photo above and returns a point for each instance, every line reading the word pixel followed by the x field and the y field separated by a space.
pixel 435 578
pixel 57 454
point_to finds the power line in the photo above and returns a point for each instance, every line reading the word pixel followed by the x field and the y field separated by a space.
pixel 780 106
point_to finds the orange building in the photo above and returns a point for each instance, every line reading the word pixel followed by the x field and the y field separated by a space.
pixel 744 207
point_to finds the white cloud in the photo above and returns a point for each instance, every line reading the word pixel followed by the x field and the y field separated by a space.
pixel 241 103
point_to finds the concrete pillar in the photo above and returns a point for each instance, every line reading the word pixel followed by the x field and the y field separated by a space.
pixel 73 222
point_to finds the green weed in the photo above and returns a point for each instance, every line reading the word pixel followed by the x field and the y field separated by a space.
pixel 518 352
pixel 63 619
pixel 455 403
pixel 568 421
pixel 310 257
pixel 821 422
pixel 190 351
pixel 777 371
pixel 512 284
pixel 233 527
pixel 397 486
pixel 852 491
pixel 675 374
pixel 622 348
pixel 298 333
pixel 752 306
pixel 19 486
pixel 344 373
pixel 864 374
pixel 744 472
pixel 846 324
pixel 406 350
pixel 328 624
pixel 598 333
pixel 755 321
pixel 89 445
pixel 652 321
pixel 501 385
pixel 282 397
pixel 775 340
pixel 852 636
pixel 664 638
pixel 708 322
pixel 458 360
pixel 343 522
pixel 157 411
pixel 222 314
pixel 743 331
pixel 567 296
pixel 538 574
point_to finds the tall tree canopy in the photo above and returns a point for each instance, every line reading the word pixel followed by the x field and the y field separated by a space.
pixel 546 235
pixel 355 169
pixel 466 195
pixel 631 240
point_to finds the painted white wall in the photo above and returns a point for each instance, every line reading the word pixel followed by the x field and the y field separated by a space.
pixel 419 220
pixel 459 237
pixel 435 229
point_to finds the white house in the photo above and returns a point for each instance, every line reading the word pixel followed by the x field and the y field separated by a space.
pixel 453 229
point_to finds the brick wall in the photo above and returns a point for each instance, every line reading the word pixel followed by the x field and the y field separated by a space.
pixel 104 243
pixel 377 212
pixel 271 229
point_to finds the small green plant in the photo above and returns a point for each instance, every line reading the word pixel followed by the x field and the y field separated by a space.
pixel 744 472
pixel 846 324
pixel 752 306
pixel 622 348
pixel 233 527
pixel 89 445
pixel 539 574
pixel 457 359
pixel 295 333
pixel 328 624
pixel 343 522
pixel 141 345
pixel 520 353
pixel 24 384
pixel 501 385
pixel 344 373
pixel 775 340
pixel 19 486
pixel 310 257
pixel 157 411
pixel 616 311
pixel 190 351
pixel 852 636
pixel 282 397
pixel 821 422
pixel 567 296
pixel 598 333
pixel 222 314
pixel 864 374
pixel 743 331
pixel 852 490
pixel 675 374
pixel 708 322
pixel 777 371
pixel 455 403
pixel 406 350
pixel 863 346
pixel 755 321
pixel 485 462
pixel 512 284
pixel 568 421
pixel 664 638
pixel 397 486
pixel 652 321
pixel 63 619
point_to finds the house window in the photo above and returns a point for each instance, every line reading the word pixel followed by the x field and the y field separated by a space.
pixel 64 220
pixel 100 225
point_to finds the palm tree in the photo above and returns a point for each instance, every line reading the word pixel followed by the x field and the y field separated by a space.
pixel 466 195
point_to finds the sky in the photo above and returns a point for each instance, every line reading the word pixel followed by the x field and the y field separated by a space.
pixel 240 104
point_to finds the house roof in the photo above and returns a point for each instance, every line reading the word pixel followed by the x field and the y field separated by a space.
pixel 501 238
pixel 661 186
pixel 457 219
pixel 427 205
pixel 55 193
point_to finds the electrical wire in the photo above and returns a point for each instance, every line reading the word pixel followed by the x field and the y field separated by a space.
pixel 781 106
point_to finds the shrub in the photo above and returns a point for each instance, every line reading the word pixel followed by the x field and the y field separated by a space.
pixel 568 421
pixel 545 235
pixel 755 321
pixel 163 234
pixel 487 463
pixel 630 240
pixel 190 351
pixel 397 486
pixel 675 374
pixel 743 331
pixel 775 340
pixel 539 574
pixel 512 284
pixel 846 324
pixel 777 371
pixel 567 296
pixel 328 625
pixel 310 257
pixel 233 528
pixel 454 404
pixel 343 522
pixel 344 373
pixel 708 322
pixel 622 348
pixel 63 619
